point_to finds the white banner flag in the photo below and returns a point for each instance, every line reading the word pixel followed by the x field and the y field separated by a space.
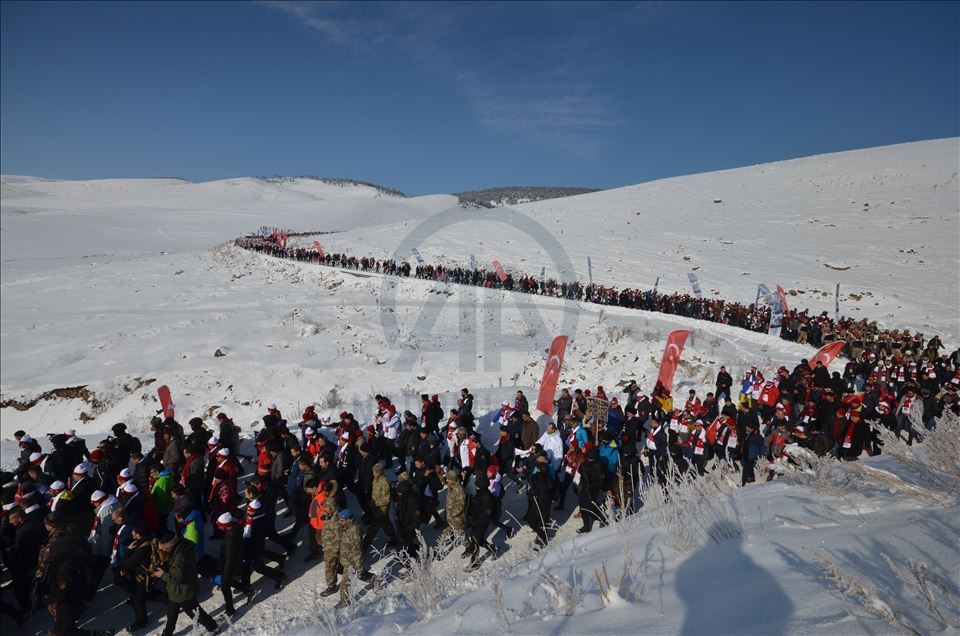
pixel 695 283
pixel 416 253
pixel 836 311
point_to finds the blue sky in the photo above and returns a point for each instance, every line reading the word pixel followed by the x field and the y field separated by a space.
pixel 440 97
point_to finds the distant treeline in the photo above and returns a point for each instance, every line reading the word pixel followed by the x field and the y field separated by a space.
pixel 512 195
pixel 337 181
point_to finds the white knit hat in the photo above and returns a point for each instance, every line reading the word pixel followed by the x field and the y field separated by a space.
pixel 80 469
pixel 225 519
pixel 224 452
pixel 58 485
pixel 130 488
pixel 97 496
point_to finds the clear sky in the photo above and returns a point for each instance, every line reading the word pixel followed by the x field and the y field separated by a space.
pixel 440 97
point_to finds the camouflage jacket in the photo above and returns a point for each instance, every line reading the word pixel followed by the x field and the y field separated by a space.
pixel 456 505
pixel 351 548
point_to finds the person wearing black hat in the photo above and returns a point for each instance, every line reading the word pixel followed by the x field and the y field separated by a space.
pixel 59 577
pixel 199 435
pixel 130 573
pixel 180 576
pixel 21 556
pixel 124 442
pixel 228 434
pixel 479 512
pixel 540 497
pixel 591 485
pixel 752 450
pixel 408 515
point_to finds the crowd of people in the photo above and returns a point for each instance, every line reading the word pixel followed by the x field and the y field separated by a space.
pixel 798 325
pixel 200 506
pixel 148 519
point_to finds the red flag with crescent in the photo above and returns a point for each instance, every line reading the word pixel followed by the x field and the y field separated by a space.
pixel 166 402
pixel 316 246
pixel 502 275
pixel 783 298
pixel 551 375
pixel 671 356
pixel 827 353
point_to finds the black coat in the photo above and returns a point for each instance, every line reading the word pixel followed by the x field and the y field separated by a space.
pixel 231 553
pixel 408 515
pixel 28 540
pixel 480 510
pixel 591 482
pixel 365 472
pixel 541 497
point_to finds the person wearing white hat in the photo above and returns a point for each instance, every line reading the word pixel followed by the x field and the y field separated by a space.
pixel 58 493
pixel 231 561
pixel 82 487
pixel 101 537
pixel 255 533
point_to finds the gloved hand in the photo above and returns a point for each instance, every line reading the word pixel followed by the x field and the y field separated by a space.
pixel 218 579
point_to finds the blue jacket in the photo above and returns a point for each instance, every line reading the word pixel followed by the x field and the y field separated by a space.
pixel 754 447
pixel 581 436
pixel 194 533
pixel 609 456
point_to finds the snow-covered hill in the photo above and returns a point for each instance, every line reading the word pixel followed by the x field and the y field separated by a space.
pixel 122 285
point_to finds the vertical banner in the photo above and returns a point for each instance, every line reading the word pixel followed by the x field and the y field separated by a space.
pixel 836 311
pixel 319 248
pixel 416 253
pixel 590 269
pixel 776 308
pixel 671 356
pixel 166 402
pixel 783 299
pixel 473 263
pixel 827 353
pixel 695 283
pixel 655 283
pixel 502 275
pixel 543 275
pixel 551 375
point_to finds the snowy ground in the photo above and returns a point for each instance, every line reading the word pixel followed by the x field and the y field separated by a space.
pixel 111 284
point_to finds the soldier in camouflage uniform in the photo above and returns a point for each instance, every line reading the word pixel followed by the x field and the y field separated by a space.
pixel 380 509
pixel 351 554
pixel 330 538
pixel 58 578
pixel 456 507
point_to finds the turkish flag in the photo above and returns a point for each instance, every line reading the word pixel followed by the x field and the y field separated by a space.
pixel 502 275
pixel 166 402
pixel 783 298
pixel 827 353
pixel 671 356
pixel 551 374
pixel 316 246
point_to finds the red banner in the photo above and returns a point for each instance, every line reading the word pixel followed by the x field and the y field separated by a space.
pixel 827 353
pixel 502 275
pixel 671 356
pixel 316 246
pixel 166 402
pixel 783 298
pixel 551 375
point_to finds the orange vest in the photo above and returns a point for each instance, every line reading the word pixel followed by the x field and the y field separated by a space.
pixel 316 508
